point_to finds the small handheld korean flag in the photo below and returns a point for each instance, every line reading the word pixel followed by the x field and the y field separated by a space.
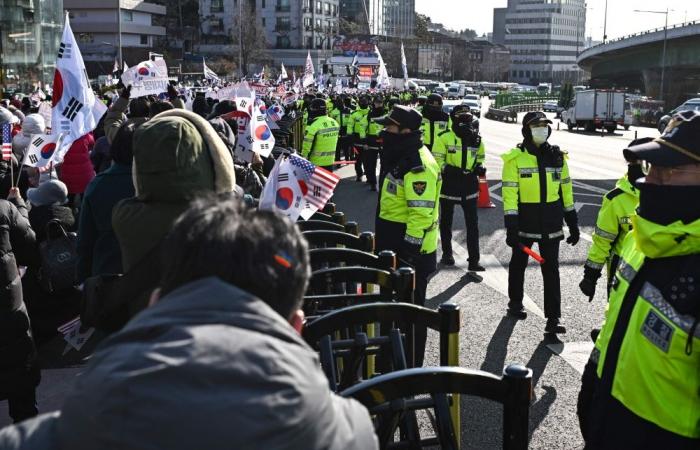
pixel 42 149
pixel 282 191
pixel 75 109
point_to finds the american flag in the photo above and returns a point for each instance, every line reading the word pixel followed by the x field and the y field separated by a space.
pixel 7 142
pixel 319 181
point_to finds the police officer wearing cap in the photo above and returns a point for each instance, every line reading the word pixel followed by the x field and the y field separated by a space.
pixel 460 152
pixel 612 225
pixel 435 120
pixel 641 386
pixel 407 218
pixel 357 128
pixel 320 136
pixel 537 198
pixel 372 145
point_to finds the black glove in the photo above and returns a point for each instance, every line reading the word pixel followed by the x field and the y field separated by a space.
pixel 126 92
pixel 480 170
pixel 409 252
pixel 574 236
pixel 587 285
pixel 571 219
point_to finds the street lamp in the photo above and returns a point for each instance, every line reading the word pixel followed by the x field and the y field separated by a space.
pixel 663 56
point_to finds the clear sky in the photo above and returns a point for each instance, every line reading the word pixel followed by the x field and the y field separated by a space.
pixel 478 14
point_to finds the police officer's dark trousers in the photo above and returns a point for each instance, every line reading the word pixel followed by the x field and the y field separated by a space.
pixel 471 221
pixel 357 153
pixel 425 265
pixel 549 250
pixel 370 156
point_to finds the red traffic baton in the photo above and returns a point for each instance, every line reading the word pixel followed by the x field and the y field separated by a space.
pixel 531 253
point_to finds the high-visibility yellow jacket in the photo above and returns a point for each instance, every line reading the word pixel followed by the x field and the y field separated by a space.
pixel 458 164
pixel 413 200
pixel 648 351
pixel 537 191
pixel 356 124
pixel 320 139
pixel 613 223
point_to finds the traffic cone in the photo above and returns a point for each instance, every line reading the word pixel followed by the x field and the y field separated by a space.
pixel 484 196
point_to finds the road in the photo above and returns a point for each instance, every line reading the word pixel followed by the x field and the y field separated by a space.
pixel 488 339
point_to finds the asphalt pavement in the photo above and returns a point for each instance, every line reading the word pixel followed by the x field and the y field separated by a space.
pixel 488 339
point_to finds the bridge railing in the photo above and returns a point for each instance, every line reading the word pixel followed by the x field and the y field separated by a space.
pixel 643 33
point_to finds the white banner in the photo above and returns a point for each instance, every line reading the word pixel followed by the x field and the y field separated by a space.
pixel 147 78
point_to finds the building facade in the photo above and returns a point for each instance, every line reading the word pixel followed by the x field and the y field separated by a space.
pixel 30 31
pixel 544 38
pixel 391 18
pixel 100 28
pixel 287 24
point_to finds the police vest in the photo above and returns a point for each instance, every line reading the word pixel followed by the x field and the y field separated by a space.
pixel 648 352
pixel 320 140
pixel 414 201
pixel 613 223
pixel 431 131
pixel 356 124
pixel 539 211
pixel 459 182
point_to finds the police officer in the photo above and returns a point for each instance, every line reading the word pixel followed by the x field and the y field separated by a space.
pixel 420 102
pixel 341 114
pixel 641 384
pixel 435 120
pixel 407 219
pixel 460 152
pixel 537 197
pixel 357 128
pixel 320 136
pixel 372 144
pixel 613 223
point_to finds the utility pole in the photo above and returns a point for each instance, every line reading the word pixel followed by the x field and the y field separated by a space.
pixel 240 37
pixel 605 23
pixel 119 34
pixel 663 53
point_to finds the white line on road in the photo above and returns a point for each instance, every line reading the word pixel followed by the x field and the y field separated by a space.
pixel 576 354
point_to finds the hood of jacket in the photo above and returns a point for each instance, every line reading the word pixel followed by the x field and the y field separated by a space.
pixel 215 367
pixel 178 155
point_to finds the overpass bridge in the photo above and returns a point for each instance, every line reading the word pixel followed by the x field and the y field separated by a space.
pixel 635 62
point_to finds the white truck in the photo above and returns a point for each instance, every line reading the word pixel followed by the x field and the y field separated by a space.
pixel 596 109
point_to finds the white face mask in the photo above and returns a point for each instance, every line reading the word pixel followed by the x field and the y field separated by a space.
pixel 540 135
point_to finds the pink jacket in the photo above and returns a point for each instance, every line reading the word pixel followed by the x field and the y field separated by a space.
pixel 77 170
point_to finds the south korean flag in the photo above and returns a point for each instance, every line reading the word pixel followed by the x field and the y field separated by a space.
pixel 42 150
pixel 75 109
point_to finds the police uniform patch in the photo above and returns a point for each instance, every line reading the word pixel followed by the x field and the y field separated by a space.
pixel 419 187
pixel 391 188
pixel 657 331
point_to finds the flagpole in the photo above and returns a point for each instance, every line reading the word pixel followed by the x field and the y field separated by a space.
pixel 119 33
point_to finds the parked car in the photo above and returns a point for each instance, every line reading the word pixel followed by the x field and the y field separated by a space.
pixel 550 106
pixel 690 105
pixel 474 106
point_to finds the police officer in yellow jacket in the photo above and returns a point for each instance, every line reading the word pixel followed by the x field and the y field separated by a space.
pixel 357 128
pixel 372 145
pixel 321 136
pixel 613 223
pixel 460 152
pixel 435 120
pixel 641 386
pixel 537 198
pixel 341 113
pixel 407 219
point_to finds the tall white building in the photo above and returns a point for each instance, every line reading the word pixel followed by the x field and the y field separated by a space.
pixel 544 38
pixel 288 24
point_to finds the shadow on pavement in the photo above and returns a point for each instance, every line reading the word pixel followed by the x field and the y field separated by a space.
pixel 451 291
pixel 538 363
pixel 497 349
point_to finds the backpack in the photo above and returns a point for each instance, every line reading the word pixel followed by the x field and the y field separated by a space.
pixel 59 259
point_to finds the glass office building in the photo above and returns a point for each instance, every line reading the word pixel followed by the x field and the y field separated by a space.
pixel 30 32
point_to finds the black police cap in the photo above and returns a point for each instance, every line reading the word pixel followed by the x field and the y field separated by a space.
pixel 403 117
pixel 678 145
pixel 535 117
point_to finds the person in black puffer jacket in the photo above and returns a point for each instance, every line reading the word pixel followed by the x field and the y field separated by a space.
pixel 48 310
pixel 19 374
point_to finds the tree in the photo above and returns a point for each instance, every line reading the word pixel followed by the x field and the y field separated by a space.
pixel 421 27
pixel 566 96
pixel 253 45
pixel 347 27
pixel 467 34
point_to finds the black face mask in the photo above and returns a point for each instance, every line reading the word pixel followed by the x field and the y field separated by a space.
pixel 664 205
pixel 395 145
pixel 634 173
pixel 363 105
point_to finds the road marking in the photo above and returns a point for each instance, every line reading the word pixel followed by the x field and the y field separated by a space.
pixel 495 276
pixel 576 354
pixel 589 187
